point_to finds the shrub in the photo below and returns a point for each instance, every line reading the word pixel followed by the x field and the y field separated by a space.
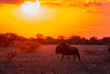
pixel 28 46
pixel 10 55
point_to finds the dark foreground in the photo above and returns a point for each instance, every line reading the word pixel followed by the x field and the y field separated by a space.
pixel 95 60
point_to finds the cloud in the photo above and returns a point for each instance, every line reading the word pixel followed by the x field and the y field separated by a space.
pixel 13 1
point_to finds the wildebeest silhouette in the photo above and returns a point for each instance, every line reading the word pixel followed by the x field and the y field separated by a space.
pixel 67 50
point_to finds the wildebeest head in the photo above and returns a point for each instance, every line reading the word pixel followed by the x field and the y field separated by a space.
pixel 58 49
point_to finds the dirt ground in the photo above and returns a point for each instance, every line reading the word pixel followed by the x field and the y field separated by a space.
pixel 95 60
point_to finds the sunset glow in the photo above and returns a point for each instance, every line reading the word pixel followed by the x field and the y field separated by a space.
pixel 56 18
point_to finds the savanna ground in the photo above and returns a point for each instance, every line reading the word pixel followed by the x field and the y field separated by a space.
pixel 95 60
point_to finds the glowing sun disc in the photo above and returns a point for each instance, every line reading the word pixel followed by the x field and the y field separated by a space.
pixel 30 7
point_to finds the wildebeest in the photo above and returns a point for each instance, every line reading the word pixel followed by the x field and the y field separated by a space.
pixel 67 50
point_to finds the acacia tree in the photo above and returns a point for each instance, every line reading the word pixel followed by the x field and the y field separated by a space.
pixel 61 37
pixel 40 39
pixel 85 41
pixel 76 39
pixel 50 40
pixel 94 40
pixel 39 36
pixel 106 40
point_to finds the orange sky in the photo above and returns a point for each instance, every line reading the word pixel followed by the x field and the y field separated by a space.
pixel 52 20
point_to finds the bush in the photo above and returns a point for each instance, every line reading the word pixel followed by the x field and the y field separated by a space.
pixel 10 55
pixel 28 46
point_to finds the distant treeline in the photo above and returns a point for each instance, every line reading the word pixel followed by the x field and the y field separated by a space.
pixel 11 39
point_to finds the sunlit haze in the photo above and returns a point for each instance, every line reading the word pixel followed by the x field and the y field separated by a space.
pixel 85 18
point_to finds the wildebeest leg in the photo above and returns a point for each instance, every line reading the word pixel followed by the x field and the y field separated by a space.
pixel 74 57
pixel 68 58
pixel 78 56
pixel 62 57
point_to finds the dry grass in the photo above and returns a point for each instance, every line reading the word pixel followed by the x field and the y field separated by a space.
pixel 47 62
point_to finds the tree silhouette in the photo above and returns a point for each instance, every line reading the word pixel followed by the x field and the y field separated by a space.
pixel 39 36
pixel 94 40
pixel 61 37
pixel 106 40
pixel 76 39
pixel 12 39
pixel 49 38
pixel 40 39
pixel 85 41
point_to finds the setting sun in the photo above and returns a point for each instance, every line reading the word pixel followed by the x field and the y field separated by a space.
pixel 30 7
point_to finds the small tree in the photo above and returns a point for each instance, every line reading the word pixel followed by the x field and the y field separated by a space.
pixel 39 36
pixel 61 37
pixel 49 38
